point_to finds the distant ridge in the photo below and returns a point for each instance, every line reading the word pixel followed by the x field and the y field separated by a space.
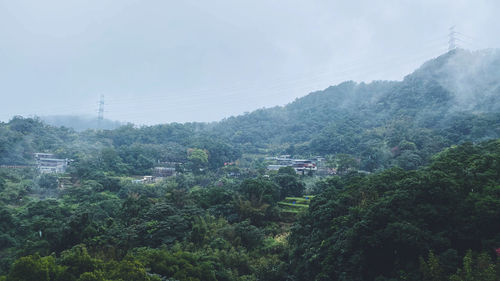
pixel 80 122
pixel 449 99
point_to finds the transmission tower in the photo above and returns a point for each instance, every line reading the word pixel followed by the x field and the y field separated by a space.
pixel 100 112
pixel 452 41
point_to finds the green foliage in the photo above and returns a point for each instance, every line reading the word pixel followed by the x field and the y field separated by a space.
pixel 77 265
pixel 368 227
pixel 431 269
pixel 36 268
pixel 198 160
pixel 289 182
pixel 343 163
pixel 48 181
pixel 259 191
pixel 480 267
pixel 258 199
pixel 182 266
pixel 210 222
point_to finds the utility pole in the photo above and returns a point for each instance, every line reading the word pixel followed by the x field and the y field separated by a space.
pixel 100 112
pixel 452 41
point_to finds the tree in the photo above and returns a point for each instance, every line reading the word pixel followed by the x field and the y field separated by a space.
pixel 375 227
pixel 178 265
pixel 36 268
pixel 197 160
pixel 343 163
pixel 477 268
pixel 257 198
pixel 78 261
pixel 111 161
pixel 289 182
pixel 48 181
pixel 431 269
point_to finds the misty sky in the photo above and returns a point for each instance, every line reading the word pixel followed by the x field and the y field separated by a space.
pixel 163 61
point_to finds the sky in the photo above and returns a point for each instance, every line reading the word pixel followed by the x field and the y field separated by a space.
pixel 162 61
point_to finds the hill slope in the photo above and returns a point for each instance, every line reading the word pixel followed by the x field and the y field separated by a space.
pixel 450 99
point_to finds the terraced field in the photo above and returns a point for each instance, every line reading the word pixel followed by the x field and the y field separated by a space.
pixel 295 205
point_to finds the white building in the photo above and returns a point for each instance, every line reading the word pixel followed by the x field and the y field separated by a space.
pixel 46 163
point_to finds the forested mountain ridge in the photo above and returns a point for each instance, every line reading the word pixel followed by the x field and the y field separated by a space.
pixel 450 99
pixel 471 77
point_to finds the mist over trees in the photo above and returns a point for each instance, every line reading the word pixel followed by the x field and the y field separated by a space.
pixel 415 195
pixel 384 123
pixel 80 123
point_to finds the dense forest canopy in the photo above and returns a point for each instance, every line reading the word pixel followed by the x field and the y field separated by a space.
pixel 416 194
pixel 381 226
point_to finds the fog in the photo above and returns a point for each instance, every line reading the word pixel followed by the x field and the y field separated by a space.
pixel 166 61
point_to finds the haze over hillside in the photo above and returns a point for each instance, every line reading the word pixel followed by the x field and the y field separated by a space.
pixel 179 61
pixel 408 189
pixel 80 123
pixel 470 78
pixel 448 100
pixel 250 140
pixel 453 87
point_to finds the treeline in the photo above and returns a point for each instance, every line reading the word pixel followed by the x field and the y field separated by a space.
pixel 383 124
pixel 380 125
pixel 125 151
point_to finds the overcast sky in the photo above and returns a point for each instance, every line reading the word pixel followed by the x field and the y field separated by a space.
pixel 164 61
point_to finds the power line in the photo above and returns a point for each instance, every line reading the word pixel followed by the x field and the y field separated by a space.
pixel 301 81
pixel 308 79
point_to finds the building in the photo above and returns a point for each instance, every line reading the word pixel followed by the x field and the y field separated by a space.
pixel 275 167
pixel 47 163
pixel 302 165
pixel 163 172
pixel 299 165
pixel 147 180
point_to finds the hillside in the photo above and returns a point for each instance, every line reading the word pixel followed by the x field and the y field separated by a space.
pixel 450 99
pixel 414 225
pixel 426 211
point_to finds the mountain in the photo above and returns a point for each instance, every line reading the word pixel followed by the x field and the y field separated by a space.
pixel 471 77
pixel 450 99
pixel 223 219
